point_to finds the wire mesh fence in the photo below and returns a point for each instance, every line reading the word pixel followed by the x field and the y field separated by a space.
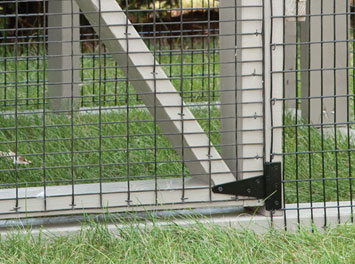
pixel 107 104
pixel 318 110
pixel 32 31
pixel 29 76
pixel 110 106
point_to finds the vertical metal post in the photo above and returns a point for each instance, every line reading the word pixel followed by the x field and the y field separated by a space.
pixel 314 83
pixel 63 52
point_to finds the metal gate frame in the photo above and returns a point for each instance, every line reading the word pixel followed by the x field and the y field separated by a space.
pixel 255 83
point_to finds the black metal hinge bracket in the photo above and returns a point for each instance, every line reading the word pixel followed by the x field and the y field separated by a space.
pixel 266 187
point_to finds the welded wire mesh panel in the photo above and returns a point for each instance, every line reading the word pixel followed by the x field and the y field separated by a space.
pixel 116 104
pixel 318 131
pixel 33 25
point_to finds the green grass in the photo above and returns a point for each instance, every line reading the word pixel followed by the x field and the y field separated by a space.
pixel 29 79
pixel 200 243
pixel 329 181
pixel 331 171
pixel 141 155
pixel 86 145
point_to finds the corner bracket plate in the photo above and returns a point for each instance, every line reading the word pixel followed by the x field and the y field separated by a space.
pixel 266 187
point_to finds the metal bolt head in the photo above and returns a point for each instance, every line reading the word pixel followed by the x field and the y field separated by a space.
pixel 276 203
pixel 249 190
pixel 220 189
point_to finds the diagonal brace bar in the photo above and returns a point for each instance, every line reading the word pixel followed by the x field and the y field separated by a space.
pixel 157 92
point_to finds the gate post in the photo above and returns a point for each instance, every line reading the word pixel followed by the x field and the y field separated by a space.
pixel 274 79
pixel 228 68
pixel 273 70
pixel 63 54
pixel 241 58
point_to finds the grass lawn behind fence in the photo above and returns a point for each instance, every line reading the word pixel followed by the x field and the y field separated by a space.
pixel 312 161
pixel 24 77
